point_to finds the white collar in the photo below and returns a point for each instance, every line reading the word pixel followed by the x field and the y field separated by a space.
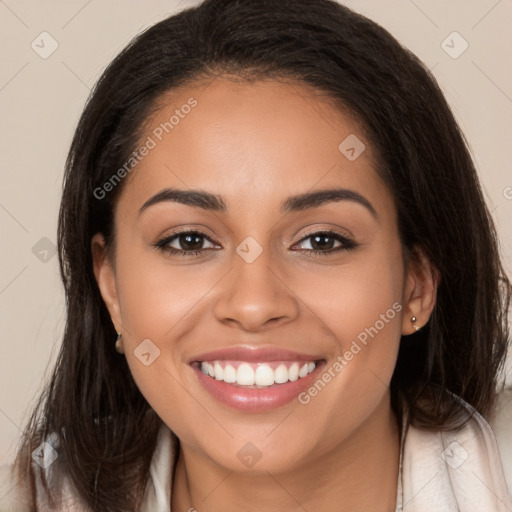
pixel 453 471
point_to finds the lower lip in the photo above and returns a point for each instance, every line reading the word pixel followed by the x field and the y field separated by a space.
pixel 256 400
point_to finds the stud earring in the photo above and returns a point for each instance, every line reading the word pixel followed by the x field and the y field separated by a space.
pixel 118 343
pixel 413 319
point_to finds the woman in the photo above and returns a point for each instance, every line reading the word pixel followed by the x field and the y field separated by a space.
pixel 283 284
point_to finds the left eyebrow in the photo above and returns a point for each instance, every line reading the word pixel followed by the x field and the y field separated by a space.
pixel 320 197
pixel 300 202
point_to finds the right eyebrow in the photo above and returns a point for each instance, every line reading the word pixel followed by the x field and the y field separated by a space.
pixel 198 198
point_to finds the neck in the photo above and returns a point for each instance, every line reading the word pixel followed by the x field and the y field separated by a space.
pixel 358 474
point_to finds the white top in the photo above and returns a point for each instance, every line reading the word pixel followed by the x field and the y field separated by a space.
pixel 458 471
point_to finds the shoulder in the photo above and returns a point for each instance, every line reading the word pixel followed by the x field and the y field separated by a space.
pixel 460 470
pixel 501 424
pixel 15 490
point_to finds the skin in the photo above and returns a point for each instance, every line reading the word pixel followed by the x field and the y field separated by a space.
pixel 256 144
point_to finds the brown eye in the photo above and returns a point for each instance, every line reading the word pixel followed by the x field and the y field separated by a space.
pixel 185 243
pixel 190 242
pixel 325 242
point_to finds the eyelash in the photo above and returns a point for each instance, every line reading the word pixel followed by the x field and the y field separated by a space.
pixel 163 244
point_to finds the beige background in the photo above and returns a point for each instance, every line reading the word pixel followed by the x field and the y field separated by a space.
pixel 41 99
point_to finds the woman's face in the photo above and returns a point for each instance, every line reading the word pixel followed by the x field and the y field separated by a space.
pixel 255 301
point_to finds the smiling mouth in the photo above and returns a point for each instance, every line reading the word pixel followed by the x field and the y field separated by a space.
pixel 256 381
pixel 256 375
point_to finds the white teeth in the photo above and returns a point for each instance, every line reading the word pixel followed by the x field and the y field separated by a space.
pixel 229 374
pixel 281 374
pixel 219 371
pixel 245 375
pixel 256 374
pixel 293 372
pixel 302 372
pixel 264 376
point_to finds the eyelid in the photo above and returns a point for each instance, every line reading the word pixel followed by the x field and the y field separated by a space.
pixel 345 233
pixel 179 230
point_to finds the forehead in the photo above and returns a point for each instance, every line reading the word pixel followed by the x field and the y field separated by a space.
pixel 251 141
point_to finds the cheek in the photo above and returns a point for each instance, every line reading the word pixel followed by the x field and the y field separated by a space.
pixel 160 304
pixel 365 294
pixel 155 296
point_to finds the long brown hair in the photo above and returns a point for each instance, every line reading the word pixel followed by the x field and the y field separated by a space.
pixel 107 430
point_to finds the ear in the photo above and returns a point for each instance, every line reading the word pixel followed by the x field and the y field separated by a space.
pixel 420 290
pixel 106 279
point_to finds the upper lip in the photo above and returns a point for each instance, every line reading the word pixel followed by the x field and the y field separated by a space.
pixel 252 354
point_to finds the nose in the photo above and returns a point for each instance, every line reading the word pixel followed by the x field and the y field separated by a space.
pixel 254 296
